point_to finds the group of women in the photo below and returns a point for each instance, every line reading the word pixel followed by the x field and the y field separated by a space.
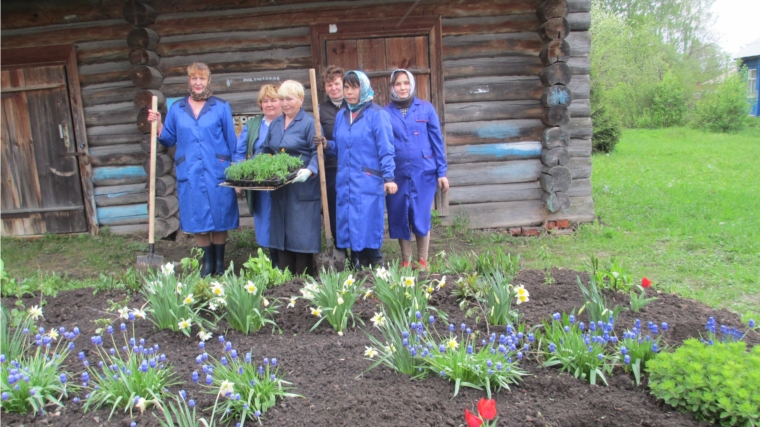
pixel 374 157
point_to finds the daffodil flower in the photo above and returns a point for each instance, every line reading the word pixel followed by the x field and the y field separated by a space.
pixel 452 343
pixel 212 306
pixel 349 281
pixel 522 294
pixel 368 293
pixel 226 388
pixel 188 300
pixel 123 312
pixel 179 287
pixel 378 320
pixel 340 301
pixel 265 302
pixel 408 281
pixel 317 311
pixel 217 289
pixel 390 348
pixel 184 324
pixel 204 335
pixel 441 283
pixel 250 287
pixel 139 313
pixel 53 334
pixel 141 403
pixel 292 302
pixel 167 269
pixel 370 352
pixel 35 312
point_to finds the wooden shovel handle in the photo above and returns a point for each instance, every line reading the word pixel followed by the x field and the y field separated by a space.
pixel 320 156
pixel 152 176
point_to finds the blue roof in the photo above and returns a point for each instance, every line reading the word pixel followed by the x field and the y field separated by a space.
pixel 750 50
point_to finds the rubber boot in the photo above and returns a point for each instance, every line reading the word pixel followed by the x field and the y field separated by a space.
pixel 219 258
pixel 356 260
pixel 207 262
pixel 274 257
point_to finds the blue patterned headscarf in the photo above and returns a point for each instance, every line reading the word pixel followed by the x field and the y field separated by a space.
pixel 366 95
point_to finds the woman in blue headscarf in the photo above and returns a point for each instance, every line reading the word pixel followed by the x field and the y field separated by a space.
pixel 364 147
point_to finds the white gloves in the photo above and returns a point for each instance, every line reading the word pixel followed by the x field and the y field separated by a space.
pixel 302 175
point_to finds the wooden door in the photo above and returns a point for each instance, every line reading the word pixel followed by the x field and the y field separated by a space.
pixel 378 57
pixel 41 189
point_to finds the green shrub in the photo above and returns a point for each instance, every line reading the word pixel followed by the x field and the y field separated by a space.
pixel 725 108
pixel 264 167
pixel 720 383
pixel 607 126
pixel 667 106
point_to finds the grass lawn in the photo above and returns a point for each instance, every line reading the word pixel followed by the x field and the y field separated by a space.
pixel 678 206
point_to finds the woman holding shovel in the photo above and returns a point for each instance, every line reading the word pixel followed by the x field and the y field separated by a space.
pixel 201 127
pixel 364 147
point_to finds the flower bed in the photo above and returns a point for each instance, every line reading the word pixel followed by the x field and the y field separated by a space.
pixel 329 371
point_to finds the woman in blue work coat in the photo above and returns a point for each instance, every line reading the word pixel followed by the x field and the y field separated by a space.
pixel 295 230
pixel 201 126
pixel 362 143
pixel 420 166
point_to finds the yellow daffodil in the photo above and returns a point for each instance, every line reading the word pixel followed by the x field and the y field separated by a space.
pixel 204 335
pixel 250 287
pixel 292 302
pixel 35 312
pixel 184 324
pixel 452 344
pixel 378 320
pixel 217 289
pixel 188 300
pixel 370 352
pixel 124 312
pixel 408 281
pixel 521 299
pixel 522 294
pixel 226 388
pixel 430 289
pixel 317 311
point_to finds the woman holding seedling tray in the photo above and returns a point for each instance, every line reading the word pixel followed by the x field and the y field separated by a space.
pixel 295 230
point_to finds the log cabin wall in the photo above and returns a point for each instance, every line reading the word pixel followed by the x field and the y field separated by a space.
pixel 492 94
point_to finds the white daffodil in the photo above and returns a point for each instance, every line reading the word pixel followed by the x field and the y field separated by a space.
pixel 141 403
pixel 368 293
pixel 227 388
pixel 383 273
pixel 188 299
pixel 452 343
pixel 212 306
pixel 350 281
pixel 522 294
pixel 292 302
pixel 179 287
pixel 184 324
pixel 407 281
pixel 204 335
pixel 167 269
pixel 370 352
pixel 441 283
pixel 378 320
pixel 139 313
pixel 124 312
pixel 390 348
pixel 250 287
pixel 35 312
pixel 317 311
pixel 265 302
pixel 53 334
pixel 217 289
pixel 340 300
pixel 222 301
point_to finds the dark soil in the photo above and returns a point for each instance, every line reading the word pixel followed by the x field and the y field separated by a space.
pixel 326 368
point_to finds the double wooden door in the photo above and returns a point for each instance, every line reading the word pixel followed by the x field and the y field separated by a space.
pixel 41 189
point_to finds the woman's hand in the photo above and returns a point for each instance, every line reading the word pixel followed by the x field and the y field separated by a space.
pixel 302 175
pixel 390 188
pixel 153 116
pixel 443 184
pixel 321 140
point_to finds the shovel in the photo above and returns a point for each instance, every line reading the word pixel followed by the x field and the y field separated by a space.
pixel 330 259
pixel 151 260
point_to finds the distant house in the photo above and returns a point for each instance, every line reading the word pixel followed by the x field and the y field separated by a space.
pixel 750 56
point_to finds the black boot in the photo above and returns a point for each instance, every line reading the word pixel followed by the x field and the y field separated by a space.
pixel 207 265
pixel 219 258
pixel 274 257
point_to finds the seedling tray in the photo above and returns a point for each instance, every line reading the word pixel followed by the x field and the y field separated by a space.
pixel 265 185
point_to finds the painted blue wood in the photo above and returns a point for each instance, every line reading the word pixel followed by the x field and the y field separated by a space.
pixel 495 172
pixel 120 215
pixel 493 152
pixel 110 175
pixel 753 63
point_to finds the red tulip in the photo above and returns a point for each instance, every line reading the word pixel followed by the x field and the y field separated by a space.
pixel 472 420
pixel 645 283
pixel 487 408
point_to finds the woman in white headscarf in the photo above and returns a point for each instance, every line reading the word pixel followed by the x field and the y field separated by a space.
pixel 420 166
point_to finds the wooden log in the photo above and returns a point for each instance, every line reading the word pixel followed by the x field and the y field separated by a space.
pixel 38 37
pixel 108 93
pixel 165 185
pixel 554 137
pixel 117 195
pixel 499 131
pixel 145 145
pixel 143 38
pixel 495 172
pixel 248 61
pixel 554 29
pixel 107 72
pixel 112 135
pixel 495 193
pixel 490 45
pixel 140 56
pixel 139 14
pixel 575 6
pixel 556 74
pixel 556 116
pixel 501 214
pixel 166 206
pixel 489 24
pixel 164 164
pixel 580 188
pixel 93 52
pixel 457 154
pixel 498 66
pixel 579 21
pixel 581 210
pixel 580 167
pixel 492 110
pixel 580 86
pixel 556 95
pixel 579 148
pixel 580 43
pixel 556 202
pixel 116 155
pixel 501 88
pixel 552 9
pixel 129 229
pixel 118 175
pixel 143 125
pixel 555 157
pixel 579 127
pixel 579 65
pixel 166 226
pixel 555 51
pixel 109 114
pixel 122 215
pixel 555 178
pixel 196 43
pixel 580 108
pixel 146 77
pixel 144 98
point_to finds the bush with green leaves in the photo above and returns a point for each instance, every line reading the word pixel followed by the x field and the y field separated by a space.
pixel 612 275
pixel 389 349
pixel 333 298
pixel 725 107
pixel 127 374
pixel 263 167
pixel 638 347
pixel 179 411
pixel 35 377
pixel 172 302
pixel 667 104
pixel 607 126
pixel 595 304
pixel 579 351
pixel 719 383
pixel 261 267
pixel 246 391
pixel 246 308
pixel 491 296
pixel 488 262
pixel 402 294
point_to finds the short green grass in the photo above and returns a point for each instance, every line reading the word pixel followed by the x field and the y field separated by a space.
pixel 676 205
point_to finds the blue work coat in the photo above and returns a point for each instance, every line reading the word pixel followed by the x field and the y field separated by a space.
pixel 296 208
pixel 420 161
pixel 259 202
pixel 206 146
pixel 365 164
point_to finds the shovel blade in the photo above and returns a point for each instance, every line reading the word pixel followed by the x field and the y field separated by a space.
pixel 150 261
pixel 330 259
